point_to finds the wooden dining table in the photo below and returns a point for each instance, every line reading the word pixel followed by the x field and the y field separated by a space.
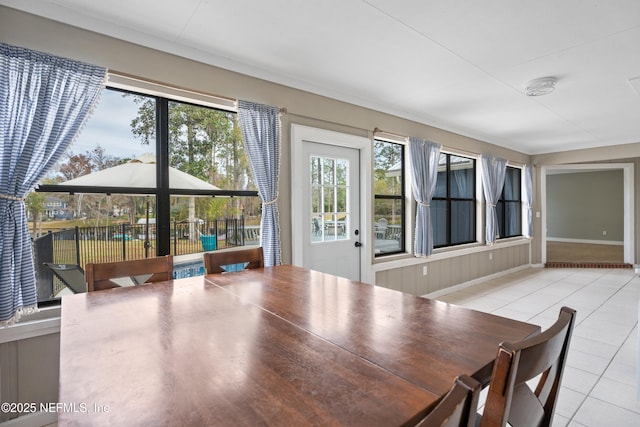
pixel 273 346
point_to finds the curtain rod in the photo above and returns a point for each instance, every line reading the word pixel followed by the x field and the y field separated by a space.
pixel 121 77
pixel 445 148
pixel 394 135
pixel 122 80
pixel 406 138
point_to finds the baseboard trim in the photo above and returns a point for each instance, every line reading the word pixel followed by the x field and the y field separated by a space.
pixel 586 241
pixel 464 285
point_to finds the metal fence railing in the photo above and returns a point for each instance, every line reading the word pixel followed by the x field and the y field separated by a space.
pixel 82 245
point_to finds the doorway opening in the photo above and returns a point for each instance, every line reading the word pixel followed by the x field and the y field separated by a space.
pixel 588 216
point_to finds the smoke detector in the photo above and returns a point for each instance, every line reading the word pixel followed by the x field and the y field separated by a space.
pixel 541 86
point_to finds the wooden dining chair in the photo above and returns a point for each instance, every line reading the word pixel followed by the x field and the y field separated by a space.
pixel 219 261
pixel 148 270
pixel 381 228
pixel 458 407
pixel 510 399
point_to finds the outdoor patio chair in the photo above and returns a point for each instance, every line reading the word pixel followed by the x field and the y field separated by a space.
pixel 381 228
pixel 71 275
pixel 133 272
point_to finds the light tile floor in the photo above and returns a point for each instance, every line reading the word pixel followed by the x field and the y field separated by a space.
pixel 599 384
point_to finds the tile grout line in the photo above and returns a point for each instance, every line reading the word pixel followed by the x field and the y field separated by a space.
pixel 610 360
pixel 588 315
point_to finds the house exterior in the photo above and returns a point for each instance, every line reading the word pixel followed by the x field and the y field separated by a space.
pixel 57 209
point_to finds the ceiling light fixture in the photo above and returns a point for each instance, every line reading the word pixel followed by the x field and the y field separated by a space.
pixel 541 86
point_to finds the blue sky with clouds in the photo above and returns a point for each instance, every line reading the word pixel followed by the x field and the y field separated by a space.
pixel 110 127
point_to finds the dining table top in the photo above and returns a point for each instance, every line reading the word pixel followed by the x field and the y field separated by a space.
pixel 272 346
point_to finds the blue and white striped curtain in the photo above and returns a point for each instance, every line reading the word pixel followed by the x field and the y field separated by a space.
pixel 44 101
pixel 527 200
pixel 493 172
pixel 260 125
pixel 424 172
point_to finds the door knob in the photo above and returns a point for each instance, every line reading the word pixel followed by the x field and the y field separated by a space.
pixel 358 244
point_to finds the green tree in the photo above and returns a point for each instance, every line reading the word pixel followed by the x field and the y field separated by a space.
pixel 101 160
pixel 386 155
pixel 35 204
pixel 218 207
pixel 203 142
pixel 387 158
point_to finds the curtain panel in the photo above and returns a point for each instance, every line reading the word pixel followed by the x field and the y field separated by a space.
pixel 424 171
pixel 527 200
pixel 493 173
pixel 44 101
pixel 260 125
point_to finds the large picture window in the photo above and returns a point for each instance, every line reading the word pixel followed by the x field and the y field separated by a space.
pixel 389 198
pixel 453 207
pixel 509 207
pixel 147 176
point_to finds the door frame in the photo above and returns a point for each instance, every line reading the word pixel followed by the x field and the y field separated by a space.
pixel 628 202
pixel 300 134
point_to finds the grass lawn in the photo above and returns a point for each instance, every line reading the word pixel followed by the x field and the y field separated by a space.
pixel 117 250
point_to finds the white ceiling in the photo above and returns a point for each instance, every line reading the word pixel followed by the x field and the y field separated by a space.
pixel 458 65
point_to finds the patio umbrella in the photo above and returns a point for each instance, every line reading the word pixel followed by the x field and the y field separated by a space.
pixel 141 172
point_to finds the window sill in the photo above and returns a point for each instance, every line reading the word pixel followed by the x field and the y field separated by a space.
pixel 44 322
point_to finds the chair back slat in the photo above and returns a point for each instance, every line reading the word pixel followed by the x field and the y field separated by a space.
pixel 542 355
pixel 510 399
pixel 214 262
pixel 524 404
pixel 458 407
pixel 101 275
